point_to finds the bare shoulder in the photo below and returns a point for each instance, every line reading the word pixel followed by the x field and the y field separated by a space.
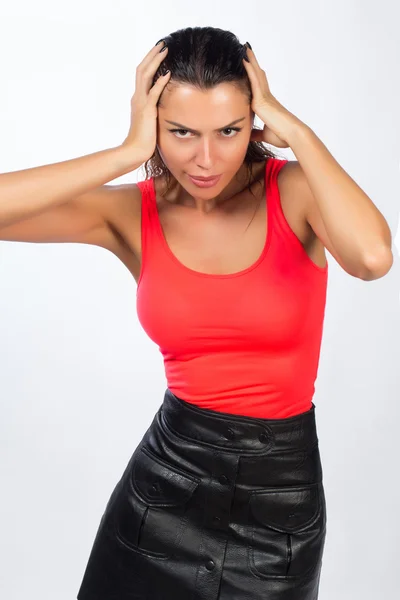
pixel 294 206
pixel 298 205
pixel 290 180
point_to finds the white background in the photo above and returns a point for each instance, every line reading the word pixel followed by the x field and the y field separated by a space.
pixel 80 380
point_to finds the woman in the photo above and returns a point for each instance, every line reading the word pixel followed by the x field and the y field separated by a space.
pixel 223 497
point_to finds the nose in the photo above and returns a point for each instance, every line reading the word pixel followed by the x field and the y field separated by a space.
pixel 204 155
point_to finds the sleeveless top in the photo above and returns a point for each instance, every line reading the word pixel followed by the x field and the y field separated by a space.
pixel 246 343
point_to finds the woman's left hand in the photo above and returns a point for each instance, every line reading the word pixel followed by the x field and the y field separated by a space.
pixel 278 121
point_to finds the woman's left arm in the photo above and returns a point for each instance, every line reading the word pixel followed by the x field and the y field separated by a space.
pixel 341 214
pixel 338 210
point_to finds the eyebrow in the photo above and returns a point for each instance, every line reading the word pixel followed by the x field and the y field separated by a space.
pixel 195 131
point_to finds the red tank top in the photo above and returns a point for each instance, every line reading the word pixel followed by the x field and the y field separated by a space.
pixel 246 343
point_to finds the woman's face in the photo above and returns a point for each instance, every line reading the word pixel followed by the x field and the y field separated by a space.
pixel 196 134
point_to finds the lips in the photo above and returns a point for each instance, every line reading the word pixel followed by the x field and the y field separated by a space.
pixel 204 178
pixel 205 183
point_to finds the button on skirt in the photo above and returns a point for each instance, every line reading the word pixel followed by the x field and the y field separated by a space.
pixel 213 506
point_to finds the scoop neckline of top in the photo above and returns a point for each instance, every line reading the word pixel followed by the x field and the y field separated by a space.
pixel 264 251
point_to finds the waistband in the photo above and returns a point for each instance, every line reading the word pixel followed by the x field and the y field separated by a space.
pixel 238 432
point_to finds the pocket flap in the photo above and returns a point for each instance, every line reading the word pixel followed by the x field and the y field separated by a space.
pixel 286 509
pixel 159 483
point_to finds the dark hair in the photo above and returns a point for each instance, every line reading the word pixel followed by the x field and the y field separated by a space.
pixel 205 57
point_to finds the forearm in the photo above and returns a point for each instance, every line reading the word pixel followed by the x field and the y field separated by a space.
pixel 24 193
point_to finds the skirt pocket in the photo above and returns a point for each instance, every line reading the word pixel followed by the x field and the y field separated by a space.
pixel 288 528
pixel 150 514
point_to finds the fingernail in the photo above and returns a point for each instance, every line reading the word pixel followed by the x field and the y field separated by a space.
pixel 165 47
pixel 249 46
pixel 159 41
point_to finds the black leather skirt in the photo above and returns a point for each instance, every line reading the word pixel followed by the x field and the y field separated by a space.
pixel 213 506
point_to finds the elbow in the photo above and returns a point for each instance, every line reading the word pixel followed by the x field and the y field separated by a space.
pixel 376 267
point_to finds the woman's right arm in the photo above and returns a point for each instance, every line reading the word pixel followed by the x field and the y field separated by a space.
pixel 69 201
pixel 64 201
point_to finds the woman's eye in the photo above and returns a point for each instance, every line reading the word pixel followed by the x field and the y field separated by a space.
pixel 179 130
pixel 235 129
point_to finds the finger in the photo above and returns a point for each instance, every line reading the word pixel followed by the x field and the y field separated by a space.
pixel 150 55
pixel 159 85
pixel 251 73
pixel 150 64
pixel 252 57
pixel 258 79
pixel 146 76
pixel 161 81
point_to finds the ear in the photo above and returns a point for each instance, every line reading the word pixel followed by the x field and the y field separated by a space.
pixel 268 136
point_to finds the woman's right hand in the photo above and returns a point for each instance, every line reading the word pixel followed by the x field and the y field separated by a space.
pixel 142 136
